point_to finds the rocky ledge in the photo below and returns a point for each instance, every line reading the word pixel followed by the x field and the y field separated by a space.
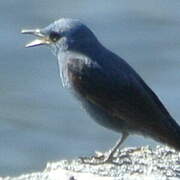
pixel 144 163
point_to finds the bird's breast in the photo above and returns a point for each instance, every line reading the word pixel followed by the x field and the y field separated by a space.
pixel 75 71
pixel 71 67
pixel 88 83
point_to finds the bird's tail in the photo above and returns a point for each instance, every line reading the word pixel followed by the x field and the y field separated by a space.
pixel 169 133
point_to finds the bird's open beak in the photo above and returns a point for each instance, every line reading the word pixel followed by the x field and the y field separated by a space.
pixel 41 40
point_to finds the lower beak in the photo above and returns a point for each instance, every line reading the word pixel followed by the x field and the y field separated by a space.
pixel 41 40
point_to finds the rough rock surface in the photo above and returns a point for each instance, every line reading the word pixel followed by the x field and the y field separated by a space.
pixel 144 163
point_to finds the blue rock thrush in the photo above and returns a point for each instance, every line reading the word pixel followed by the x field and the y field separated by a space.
pixel 109 89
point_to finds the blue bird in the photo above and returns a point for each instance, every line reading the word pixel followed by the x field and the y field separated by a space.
pixel 109 89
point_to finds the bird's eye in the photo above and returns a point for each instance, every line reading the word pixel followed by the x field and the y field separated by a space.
pixel 54 36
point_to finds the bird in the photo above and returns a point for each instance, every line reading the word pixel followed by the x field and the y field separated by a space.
pixel 109 89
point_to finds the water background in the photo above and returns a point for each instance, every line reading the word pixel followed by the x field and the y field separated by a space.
pixel 40 121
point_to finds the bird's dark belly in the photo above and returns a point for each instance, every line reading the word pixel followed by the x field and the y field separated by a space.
pixel 96 102
pixel 102 117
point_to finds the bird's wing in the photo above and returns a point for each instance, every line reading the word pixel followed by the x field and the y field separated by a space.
pixel 119 90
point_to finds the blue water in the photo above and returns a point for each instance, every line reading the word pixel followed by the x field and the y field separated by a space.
pixel 40 121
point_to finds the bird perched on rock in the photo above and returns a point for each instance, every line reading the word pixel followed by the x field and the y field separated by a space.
pixel 109 89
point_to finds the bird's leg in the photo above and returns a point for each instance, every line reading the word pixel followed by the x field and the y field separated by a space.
pixel 111 152
pixel 109 157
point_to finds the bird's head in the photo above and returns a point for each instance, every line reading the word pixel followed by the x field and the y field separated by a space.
pixel 64 35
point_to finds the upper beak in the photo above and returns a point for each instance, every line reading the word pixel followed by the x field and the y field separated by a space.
pixel 41 40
